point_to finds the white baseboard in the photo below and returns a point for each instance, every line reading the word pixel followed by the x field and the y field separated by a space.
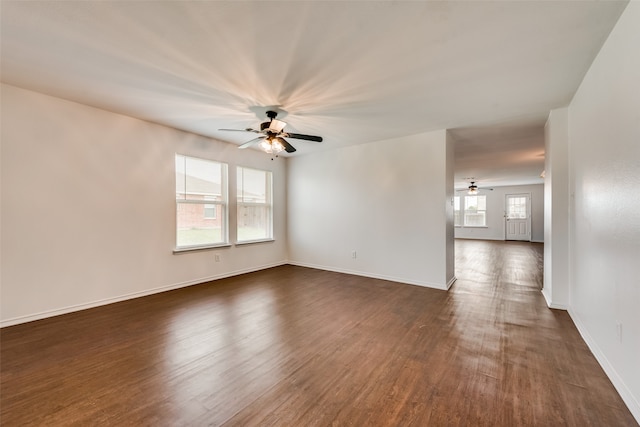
pixel 495 239
pixel 550 302
pixel 627 397
pixel 451 282
pixel 442 287
pixel 98 303
pixel 78 307
pixel 547 298
pixel 558 306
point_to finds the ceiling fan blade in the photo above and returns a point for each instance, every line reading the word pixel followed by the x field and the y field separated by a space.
pixel 287 147
pixel 305 137
pixel 252 142
pixel 241 130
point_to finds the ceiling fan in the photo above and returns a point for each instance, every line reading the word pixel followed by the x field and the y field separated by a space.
pixel 473 188
pixel 272 136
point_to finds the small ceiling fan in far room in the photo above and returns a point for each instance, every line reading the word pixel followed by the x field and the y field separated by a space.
pixel 473 189
pixel 272 136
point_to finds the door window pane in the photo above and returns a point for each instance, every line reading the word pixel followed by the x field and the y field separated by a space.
pixel 517 207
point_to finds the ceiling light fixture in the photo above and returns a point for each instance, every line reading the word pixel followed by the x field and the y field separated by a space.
pixel 272 136
pixel 271 145
pixel 473 189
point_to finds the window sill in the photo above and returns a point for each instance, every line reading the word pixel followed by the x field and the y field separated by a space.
pixel 200 248
pixel 250 242
pixel 471 226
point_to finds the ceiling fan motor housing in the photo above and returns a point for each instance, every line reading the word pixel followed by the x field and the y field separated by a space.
pixel 272 114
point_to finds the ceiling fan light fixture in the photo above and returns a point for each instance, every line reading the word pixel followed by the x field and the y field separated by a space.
pixel 271 146
pixel 276 146
pixel 473 189
pixel 272 136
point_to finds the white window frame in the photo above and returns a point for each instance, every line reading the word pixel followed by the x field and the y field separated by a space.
pixel 268 204
pixel 463 210
pixel 204 202
pixel 467 212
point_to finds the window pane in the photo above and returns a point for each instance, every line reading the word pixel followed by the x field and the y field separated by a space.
pixel 471 203
pixel 475 211
pixel 197 178
pixel 194 228
pixel 201 205
pixel 252 185
pixel 254 222
pixel 517 207
pixel 482 203
pixel 254 204
pixel 456 211
pixel 474 219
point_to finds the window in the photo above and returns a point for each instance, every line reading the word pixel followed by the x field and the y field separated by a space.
pixel 254 205
pixel 201 202
pixel 475 211
pixel 210 210
pixel 517 207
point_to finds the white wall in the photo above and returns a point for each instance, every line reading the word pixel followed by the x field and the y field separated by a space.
pixel 604 153
pixel 495 229
pixel 387 201
pixel 556 210
pixel 88 210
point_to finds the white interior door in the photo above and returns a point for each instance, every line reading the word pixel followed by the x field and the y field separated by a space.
pixel 518 217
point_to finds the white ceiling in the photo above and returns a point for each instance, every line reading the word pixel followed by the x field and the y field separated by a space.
pixel 351 71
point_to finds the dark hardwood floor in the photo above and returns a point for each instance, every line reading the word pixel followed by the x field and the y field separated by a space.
pixel 293 346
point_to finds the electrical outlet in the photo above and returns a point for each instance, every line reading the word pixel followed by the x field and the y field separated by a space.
pixel 353 254
pixel 216 257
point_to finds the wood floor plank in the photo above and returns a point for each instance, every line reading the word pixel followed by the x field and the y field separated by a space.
pixel 293 346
